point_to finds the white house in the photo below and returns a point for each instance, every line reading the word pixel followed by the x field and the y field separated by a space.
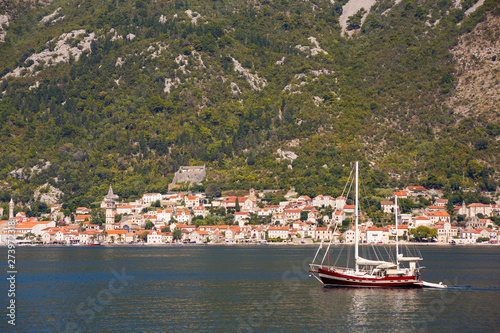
pixel 199 236
pixel 323 200
pixel 34 227
pixel 83 210
pixel 258 233
pixel 446 232
pixel 323 233
pixel 156 237
pixel 200 211
pixel 164 215
pixel 349 208
pixel 232 232
pixel 401 231
pixel 183 216
pixel 350 236
pixel 421 220
pixel 338 216
pixel 239 216
pixel 387 206
pixel 377 235
pixel 292 214
pixel 466 236
pixel 192 201
pixel 115 236
pixel 437 216
pixel 279 218
pixel 88 236
pixel 149 198
pixel 278 232
pixel 67 237
pixel 49 237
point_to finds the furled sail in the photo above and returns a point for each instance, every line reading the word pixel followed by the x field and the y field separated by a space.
pixel 407 259
pixel 367 262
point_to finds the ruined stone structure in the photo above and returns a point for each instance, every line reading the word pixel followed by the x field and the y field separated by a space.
pixel 189 174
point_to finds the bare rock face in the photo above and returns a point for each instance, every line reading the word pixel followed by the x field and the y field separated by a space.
pixel 478 63
pixel 48 194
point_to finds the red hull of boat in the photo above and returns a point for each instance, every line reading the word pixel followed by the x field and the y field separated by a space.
pixel 334 279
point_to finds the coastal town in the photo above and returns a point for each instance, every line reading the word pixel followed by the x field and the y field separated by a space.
pixel 192 218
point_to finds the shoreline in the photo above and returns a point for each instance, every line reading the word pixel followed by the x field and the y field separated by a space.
pixel 240 244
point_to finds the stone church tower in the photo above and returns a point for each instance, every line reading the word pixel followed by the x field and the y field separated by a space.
pixel 11 209
pixel 110 206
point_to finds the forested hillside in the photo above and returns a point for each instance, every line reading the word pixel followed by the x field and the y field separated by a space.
pixel 124 92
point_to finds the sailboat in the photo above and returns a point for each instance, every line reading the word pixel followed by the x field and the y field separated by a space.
pixel 371 273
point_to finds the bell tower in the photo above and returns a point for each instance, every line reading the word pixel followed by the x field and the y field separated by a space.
pixel 11 209
pixel 110 205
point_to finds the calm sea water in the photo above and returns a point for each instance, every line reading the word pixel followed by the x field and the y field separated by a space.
pixel 241 288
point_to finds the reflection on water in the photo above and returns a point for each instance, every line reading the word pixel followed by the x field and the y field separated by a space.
pixel 247 289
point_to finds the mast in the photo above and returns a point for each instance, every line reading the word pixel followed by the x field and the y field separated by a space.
pixel 397 238
pixel 356 240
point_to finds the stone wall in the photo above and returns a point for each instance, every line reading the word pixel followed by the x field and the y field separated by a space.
pixel 191 174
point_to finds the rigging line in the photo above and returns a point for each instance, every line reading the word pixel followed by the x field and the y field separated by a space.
pixel 379 254
pixel 388 254
pixel 371 214
pixel 348 257
pixel 350 187
pixel 418 251
pixel 393 256
pixel 329 244
pixel 319 248
pixel 375 252
pixel 327 251
pixel 347 182
pixel 409 252
pixel 340 252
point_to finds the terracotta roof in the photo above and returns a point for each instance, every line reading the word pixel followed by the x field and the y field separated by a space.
pixel 416 188
pixel 437 207
pixel 82 217
pixel 116 232
pixel 438 213
pixel 375 229
pixel 478 205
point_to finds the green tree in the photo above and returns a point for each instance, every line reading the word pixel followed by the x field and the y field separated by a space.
pixel 212 191
pixel 97 215
pixel 423 232
pixel 237 207
pixel 450 209
pixel 144 236
pixel 177 234
pixel 406 205
pixel 221 211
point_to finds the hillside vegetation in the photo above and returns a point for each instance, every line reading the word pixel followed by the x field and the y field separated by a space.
pixel 124 92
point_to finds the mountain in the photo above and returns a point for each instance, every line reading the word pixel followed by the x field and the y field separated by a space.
pixel 269 94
